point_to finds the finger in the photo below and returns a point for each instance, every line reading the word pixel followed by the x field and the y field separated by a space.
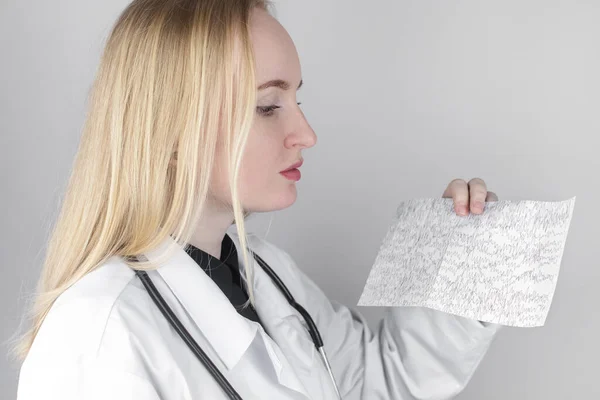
pixel 458 190
pixel 477 195
pixel 491 196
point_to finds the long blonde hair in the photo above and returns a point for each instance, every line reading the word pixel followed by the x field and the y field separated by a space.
pixel 174 75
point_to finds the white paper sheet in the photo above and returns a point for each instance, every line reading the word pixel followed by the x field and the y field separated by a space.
pixel 500 266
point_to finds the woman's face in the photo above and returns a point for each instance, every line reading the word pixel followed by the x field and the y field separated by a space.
pixel 280 131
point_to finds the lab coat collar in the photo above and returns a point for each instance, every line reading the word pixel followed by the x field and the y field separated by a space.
pixel 273 309
pixel 229 333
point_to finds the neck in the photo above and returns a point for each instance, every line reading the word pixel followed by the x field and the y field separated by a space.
pixel 211 228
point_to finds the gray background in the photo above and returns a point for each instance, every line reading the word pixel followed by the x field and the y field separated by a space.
pixel 404 97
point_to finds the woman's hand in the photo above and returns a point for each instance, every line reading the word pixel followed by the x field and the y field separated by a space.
pixel 469 196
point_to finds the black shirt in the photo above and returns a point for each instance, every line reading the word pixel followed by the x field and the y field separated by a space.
pixel 225 273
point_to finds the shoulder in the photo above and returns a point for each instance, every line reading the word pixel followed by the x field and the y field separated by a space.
pixel 74 329
pixel 273 254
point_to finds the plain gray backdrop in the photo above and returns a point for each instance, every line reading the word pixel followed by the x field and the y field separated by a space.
pixel 404 97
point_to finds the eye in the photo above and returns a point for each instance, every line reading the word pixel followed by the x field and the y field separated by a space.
pixel 269 110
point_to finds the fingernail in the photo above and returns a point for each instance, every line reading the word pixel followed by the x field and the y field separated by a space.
pixel 478 206
pixel 462 210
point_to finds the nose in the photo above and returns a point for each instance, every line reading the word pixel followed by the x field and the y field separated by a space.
pixel 303 134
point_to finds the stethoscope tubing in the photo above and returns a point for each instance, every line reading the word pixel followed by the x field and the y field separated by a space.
pixel 312 327
pixel 185 335
pixel 201 355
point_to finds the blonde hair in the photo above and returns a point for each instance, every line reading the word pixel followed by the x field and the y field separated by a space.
pixel 173 76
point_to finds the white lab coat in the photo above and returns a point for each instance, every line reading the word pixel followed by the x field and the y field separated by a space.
pixel 105 339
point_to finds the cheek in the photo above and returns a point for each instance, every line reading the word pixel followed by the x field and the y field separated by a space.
pixel 259 162
pixel 261 186
pixel 262 160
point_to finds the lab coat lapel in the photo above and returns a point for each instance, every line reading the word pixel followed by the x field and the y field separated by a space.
pixel 229 333
pixel 277 315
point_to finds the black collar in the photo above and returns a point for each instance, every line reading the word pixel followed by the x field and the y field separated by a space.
pixel 206 261
pixel 224 271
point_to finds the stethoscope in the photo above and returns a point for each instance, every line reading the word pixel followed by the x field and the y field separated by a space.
pixel 201 355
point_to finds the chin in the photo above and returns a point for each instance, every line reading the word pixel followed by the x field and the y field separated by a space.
pixel 284 199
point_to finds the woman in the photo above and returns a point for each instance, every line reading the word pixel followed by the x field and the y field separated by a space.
pixel 184 89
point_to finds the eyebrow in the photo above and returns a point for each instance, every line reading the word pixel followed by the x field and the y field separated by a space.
pixel 280 83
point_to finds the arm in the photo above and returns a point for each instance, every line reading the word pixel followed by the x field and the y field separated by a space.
pixel 93 382
pixel 104 383
pixel 416 352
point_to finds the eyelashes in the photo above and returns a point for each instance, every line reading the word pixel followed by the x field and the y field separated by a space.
pixel 268 111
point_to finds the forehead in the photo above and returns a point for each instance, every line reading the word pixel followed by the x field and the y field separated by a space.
pixel 274 51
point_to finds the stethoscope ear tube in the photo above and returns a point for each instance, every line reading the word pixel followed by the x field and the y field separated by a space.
pixel 312 327
pixel 185 335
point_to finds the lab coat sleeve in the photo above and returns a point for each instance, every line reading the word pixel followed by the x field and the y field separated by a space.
pixel 111 383
pixel 415 353
pixel 85 382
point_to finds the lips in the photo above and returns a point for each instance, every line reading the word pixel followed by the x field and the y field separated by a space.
pixel 293 166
